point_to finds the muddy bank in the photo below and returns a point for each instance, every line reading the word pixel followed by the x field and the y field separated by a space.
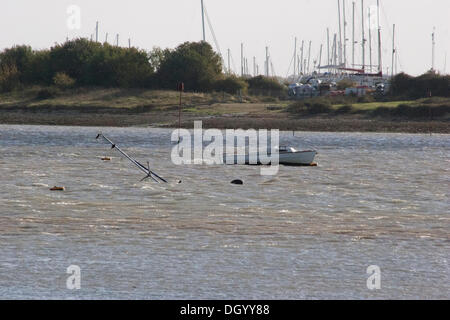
pixel 169 118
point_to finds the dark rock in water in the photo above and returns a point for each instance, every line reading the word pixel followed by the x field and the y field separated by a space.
pixel 179 181
pixel 237 181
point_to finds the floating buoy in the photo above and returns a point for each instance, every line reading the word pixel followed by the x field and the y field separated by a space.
pixel 106 159
pixel 55 188
pixel 237 181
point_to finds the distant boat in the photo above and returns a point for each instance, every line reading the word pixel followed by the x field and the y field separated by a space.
pixel 291 156
pixel 287 156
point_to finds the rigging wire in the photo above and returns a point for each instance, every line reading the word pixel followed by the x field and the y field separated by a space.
pixel 211 29
pixel 289 69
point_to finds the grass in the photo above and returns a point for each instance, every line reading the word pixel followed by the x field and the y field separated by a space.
pixel 113 106
pixel 436 107
pixel 108 98
pixel 394 104
pixel 373 105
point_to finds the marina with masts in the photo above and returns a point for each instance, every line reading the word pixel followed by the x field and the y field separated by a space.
pixel 349 54
pixel 332 63
pixel 337 67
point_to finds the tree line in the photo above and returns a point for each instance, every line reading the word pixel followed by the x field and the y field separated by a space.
pixel 81 63
pixel 430 84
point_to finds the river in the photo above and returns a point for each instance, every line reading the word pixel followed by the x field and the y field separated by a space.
pixel 306 233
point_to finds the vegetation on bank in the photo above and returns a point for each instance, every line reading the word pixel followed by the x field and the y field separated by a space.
pixel 86 74
pixel 425 108
pixel 36 98
pixel 84 63
pixel 428 85
pixel 136 100
pixel 424 97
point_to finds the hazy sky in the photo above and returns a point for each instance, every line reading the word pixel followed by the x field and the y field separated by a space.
pixel 256 23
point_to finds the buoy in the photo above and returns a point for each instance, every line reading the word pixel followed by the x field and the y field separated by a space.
pixel 314 164
pixel 106 159
pixel 237 181
pixel 55 188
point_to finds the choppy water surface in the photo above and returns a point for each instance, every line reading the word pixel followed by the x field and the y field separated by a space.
pixel 374 199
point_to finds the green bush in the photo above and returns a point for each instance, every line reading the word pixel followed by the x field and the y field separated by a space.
pixel 9 77
pixel 312 106
pixel 91 63
pixel 381 112
pixel 20 57
pixel 63 81
pixel 296 107
pixel 345 109
pixel 40 71
pixel 365 99
pixel 413 112
pixel 427 85
pixel 194 63
pixel 267 86
pixel 231 85
pixel 47 93
pixel 318 107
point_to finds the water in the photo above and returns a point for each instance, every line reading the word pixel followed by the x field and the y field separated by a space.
pixel 307 233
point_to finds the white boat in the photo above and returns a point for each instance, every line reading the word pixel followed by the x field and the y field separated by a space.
pixel 287 156
pixel 293 157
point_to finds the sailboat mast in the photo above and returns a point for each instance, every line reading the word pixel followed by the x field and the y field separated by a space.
pixel 309 56
pixel 445 64
pixel 370 43
pixel 203 21
pixel 340 32
pixel 295 57
pixel 96 32
pixel 363 41
pixel 320 57
pixel 345 34
pixel 433 50
pixel 242 59
pixel 353 37
pixel 393 50
pixel 380 65
pixel 301 60
pixel 335 53
pixel 328 44
pixel 229 68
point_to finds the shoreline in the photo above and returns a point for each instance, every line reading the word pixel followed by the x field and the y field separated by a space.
pixel 101 117
pixel 114 107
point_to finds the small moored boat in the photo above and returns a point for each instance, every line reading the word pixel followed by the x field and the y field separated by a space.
pixel 287 156
pixel 293 157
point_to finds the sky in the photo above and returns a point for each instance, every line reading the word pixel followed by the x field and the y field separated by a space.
pixel 255 23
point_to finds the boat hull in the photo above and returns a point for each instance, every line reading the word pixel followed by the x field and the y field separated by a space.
pixel 299 158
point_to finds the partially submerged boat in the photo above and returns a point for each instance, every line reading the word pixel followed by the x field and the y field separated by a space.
pixel 288 156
